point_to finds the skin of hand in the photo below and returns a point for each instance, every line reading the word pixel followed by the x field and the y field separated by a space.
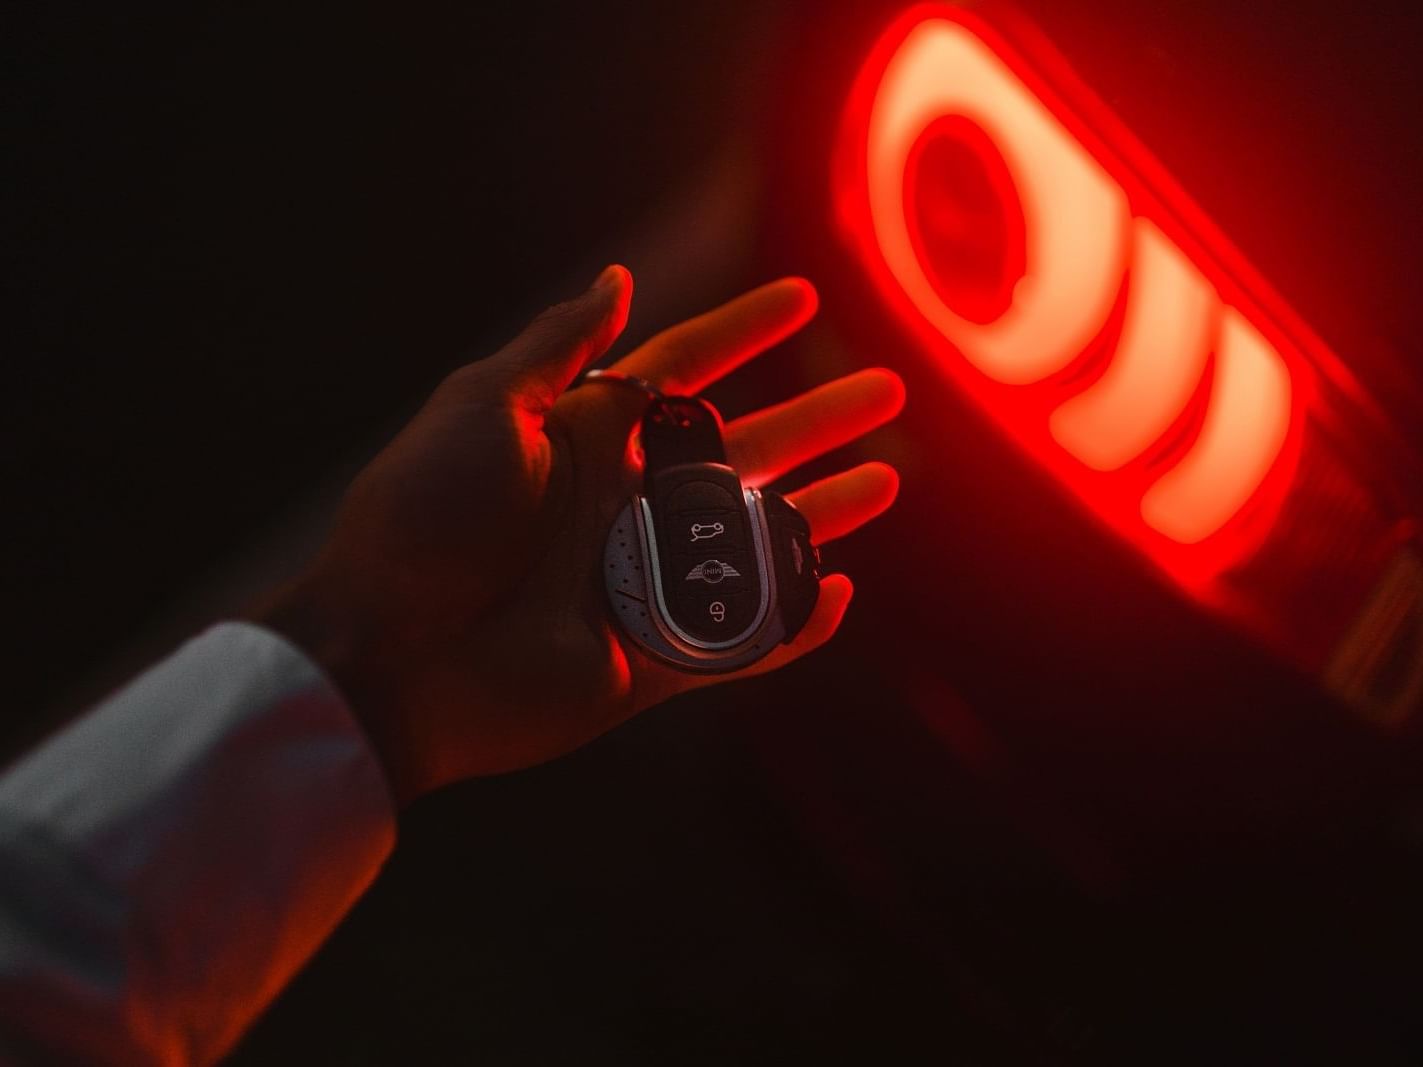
pixel 458 602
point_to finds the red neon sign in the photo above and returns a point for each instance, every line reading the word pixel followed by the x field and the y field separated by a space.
pixel 1053 271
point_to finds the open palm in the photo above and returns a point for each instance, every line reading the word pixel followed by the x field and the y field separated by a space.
pixel 459 601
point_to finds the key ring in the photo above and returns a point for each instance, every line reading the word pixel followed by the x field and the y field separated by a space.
pixel 617 377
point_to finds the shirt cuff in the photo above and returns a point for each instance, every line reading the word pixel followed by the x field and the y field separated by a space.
pixel 226 809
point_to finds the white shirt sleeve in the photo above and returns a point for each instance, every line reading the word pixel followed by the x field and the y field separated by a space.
pixel 169 860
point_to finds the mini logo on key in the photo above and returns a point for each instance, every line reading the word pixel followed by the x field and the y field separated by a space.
pixel 706 531
pixel 712 571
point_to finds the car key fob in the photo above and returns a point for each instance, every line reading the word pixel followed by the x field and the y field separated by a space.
pixel 703 572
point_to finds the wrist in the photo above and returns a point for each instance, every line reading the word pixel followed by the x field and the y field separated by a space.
pixel 312 614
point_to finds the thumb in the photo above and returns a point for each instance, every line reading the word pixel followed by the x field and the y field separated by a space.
pixel 543 360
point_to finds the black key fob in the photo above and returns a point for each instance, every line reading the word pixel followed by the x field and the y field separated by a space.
pixel 703 572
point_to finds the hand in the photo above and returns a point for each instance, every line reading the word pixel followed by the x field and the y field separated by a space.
pixel 459 603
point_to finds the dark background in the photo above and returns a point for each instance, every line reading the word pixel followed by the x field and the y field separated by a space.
pixel 1031 808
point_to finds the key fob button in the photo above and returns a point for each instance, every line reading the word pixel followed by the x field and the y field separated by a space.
pixel 718 615
pixel 696 531
pixel 701 496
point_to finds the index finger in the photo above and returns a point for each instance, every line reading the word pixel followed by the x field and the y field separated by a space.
pixel 691 355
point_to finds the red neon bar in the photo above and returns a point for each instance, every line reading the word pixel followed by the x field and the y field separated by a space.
pixel 1097 316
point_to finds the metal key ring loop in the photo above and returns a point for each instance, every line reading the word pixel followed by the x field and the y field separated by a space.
pixel 617 377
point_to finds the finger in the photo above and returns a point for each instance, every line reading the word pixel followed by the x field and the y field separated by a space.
pixel 846 501
pixel 560 342
pixel 690 356
pixel 768 443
